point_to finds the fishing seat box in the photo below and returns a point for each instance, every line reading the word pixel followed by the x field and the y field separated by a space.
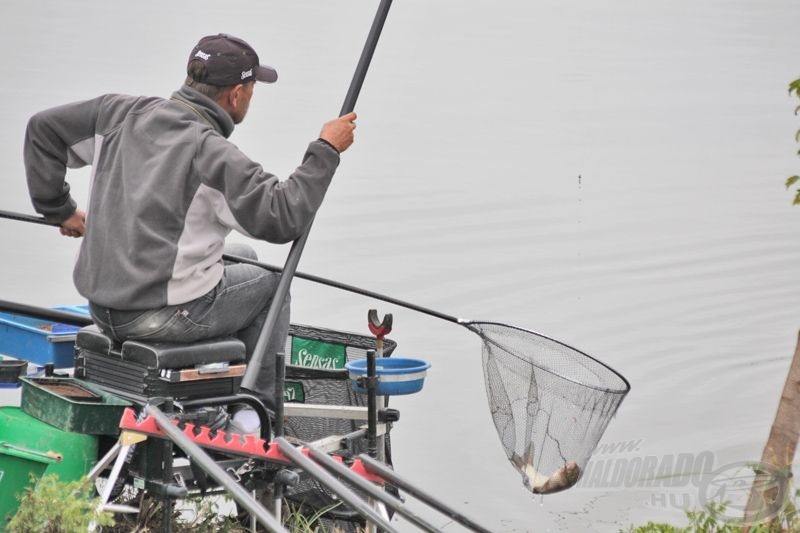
pixel 140 370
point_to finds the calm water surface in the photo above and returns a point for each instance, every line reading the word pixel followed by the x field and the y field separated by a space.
pixel 607 174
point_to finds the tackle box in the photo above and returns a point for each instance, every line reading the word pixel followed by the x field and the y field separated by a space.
pixel 40 341
pixel 139 370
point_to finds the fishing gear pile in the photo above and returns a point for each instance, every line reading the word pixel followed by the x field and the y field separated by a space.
pixel 315 381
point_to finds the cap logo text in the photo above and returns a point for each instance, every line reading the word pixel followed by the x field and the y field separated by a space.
pixel 247 73
pixel 202 55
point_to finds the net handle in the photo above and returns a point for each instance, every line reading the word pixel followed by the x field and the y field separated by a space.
pixel 469 324
pixel 350 288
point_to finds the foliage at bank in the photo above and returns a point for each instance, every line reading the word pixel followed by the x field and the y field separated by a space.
pixel 713 519
pixel 53 506
pixel 794 88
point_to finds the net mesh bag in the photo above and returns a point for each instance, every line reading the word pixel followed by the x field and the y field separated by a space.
pixel 550 403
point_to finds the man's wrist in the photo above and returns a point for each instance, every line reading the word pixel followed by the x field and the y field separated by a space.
pixel 329 144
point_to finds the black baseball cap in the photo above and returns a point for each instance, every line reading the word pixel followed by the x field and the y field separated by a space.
pixel 230 61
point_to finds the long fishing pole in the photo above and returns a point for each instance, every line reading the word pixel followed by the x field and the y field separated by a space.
pixel 55 315
pixel 289 269
pixel 27 218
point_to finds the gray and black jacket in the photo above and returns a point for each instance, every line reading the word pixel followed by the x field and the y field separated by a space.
pixel 167 188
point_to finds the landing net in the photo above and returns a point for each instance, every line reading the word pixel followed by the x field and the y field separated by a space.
pixel 550 403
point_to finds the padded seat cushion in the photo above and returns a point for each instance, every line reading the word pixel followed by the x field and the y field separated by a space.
pixel 162 354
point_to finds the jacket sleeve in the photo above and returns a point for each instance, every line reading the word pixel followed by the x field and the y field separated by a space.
pixel 261 204
pixel 55 139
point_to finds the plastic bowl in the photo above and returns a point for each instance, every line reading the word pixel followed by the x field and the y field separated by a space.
pixel 397 375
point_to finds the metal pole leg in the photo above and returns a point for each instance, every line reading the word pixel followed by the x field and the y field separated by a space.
pixel 120 450
pixel 112 477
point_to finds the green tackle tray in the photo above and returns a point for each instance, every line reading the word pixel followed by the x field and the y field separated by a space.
pixel 72 405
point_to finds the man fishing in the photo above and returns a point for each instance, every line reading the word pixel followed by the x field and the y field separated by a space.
pixel 167 187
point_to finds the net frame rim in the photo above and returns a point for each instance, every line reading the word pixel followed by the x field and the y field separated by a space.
pixel 623 391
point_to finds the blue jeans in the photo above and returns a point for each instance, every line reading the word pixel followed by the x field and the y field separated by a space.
pixel 237 306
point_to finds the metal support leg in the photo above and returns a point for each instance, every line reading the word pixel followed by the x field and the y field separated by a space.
pixel 120 450
pixel 166 458
pixel 122 454
pixel 372 434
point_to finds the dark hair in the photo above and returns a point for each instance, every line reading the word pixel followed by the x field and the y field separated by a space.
pixel 197 72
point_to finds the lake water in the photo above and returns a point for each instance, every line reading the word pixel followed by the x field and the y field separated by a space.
pixel 609 174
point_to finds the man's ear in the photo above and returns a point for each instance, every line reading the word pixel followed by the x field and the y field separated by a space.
pixel 235 94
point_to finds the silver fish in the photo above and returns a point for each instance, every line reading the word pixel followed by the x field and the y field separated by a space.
pixel 565 477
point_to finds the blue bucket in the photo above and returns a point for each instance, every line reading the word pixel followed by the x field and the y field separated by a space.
pixel 397 375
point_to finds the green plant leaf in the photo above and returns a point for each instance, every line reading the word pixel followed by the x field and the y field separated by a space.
pixel 797 198
pixel 76 510
pixel 792 180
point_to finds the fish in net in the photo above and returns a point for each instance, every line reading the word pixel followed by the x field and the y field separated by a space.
pixel 550 403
